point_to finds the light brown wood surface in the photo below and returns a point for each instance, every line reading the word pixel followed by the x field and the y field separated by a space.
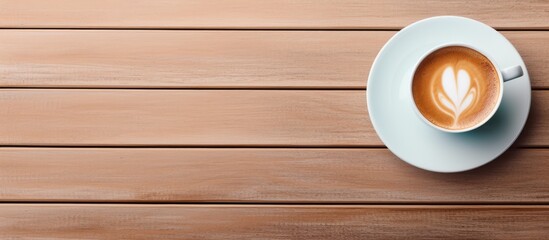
pixel 261 175
pixel 211 59
pixel 184 117
pixel 300 14
pixel 62 221
pixel 241 120
pixel 75 117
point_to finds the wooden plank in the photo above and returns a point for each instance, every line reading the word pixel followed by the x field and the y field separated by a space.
pixel 74 117
pixel 261 175
pixel 210 59
pixel 534 53
pixel 272 222
pixel 341 14
pixel 184 117
pixel 196 59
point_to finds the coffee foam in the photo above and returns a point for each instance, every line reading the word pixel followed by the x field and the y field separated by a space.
pixel 456 87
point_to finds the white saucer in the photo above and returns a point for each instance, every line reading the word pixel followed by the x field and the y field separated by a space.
pixel 419 144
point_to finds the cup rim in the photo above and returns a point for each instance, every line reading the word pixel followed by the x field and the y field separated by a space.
pixel 456 44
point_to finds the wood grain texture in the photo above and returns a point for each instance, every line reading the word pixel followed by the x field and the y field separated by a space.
pixel 184 117
pixel 72 117
pixel 243 59
pixel 272 222
pixel 270 140
pixel 262 175
pixel 336 14
pixel 211 59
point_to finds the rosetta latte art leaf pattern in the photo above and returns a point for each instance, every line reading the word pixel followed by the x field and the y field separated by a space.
pixel 458 93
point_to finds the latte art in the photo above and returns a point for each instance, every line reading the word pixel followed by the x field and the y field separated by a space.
pixel 457 93
pixel 455 87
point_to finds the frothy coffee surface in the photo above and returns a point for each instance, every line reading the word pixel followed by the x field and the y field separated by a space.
pixel 456 87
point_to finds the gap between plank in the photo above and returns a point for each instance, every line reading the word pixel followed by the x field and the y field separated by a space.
pixel 263 88
pixel 198 146
pixel 223 146
pixel 189 88
pixel 246 29
pixel 275 203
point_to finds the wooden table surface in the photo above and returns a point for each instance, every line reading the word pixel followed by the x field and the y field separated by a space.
pixel 136 119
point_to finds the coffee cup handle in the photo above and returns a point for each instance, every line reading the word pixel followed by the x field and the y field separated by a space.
pixel 512 73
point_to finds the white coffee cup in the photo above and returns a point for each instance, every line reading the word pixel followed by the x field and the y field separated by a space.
pixel 504 75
